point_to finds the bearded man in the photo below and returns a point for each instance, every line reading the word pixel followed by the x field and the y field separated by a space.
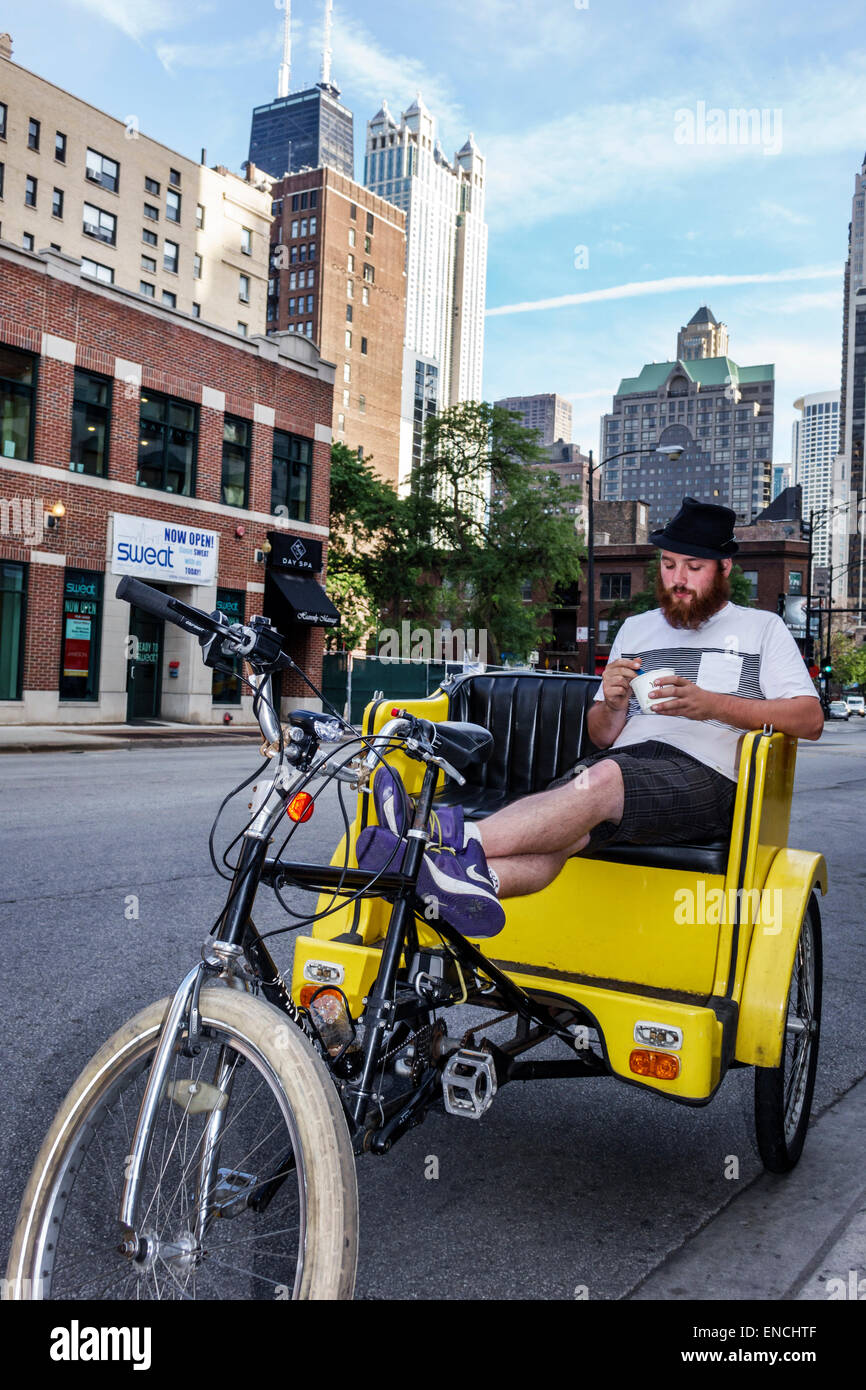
pixel 666 777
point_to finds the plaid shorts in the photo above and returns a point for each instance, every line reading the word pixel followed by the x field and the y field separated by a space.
pixel 670 798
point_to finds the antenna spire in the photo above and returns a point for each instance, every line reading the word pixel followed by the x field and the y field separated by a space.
pixel 326 47
pixel 286 64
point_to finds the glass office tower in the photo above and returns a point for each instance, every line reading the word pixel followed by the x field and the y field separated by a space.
pixel 304 130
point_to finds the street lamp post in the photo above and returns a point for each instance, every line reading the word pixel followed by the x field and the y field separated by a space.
pixel 671 451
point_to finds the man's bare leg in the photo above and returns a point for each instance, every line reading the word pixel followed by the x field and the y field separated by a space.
pixel 527 843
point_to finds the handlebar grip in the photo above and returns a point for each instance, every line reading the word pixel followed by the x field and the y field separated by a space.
pixel 163 606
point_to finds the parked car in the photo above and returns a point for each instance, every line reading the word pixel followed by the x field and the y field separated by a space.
pixel 856 705
pixel 838 710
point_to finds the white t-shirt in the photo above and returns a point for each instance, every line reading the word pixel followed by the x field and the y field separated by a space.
pixel 738 651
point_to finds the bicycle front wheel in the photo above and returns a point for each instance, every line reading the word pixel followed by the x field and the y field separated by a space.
pixel 249 1191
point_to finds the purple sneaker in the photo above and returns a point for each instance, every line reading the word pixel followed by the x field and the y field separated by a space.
pixel 446 824
pixel 456 885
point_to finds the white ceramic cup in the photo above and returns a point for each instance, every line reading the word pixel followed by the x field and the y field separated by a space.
pixel 641 686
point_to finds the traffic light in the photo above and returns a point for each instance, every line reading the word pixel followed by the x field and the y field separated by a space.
pixel 780 605
pixel 827 669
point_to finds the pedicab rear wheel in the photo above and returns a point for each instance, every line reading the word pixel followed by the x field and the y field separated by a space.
pixel 783 1094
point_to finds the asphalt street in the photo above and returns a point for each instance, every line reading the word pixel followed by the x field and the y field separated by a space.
pixel 563 1186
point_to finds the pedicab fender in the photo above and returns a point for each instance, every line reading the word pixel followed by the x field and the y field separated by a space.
pixel 794 875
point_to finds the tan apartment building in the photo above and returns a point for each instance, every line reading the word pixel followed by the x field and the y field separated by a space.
pixel 338 277
pixel 135 213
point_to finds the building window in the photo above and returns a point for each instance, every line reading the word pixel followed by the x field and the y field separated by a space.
pixel 148 264
pixel 311 251
pixel 196 310
pixel 311 277
pixel 365 294
pixel 151 186
pixel 242 328
pixel 352 237
pixel 291 475
pixel 148 290
pixel 98 168
pixel 234 490
pixel 169 299
pixel 362 404
pixel 305 198
pixel 309 303
pixel 348 313
pixel 246 241
pixel 149 237
pixel 347 371
pixel 167 444
pixel 350 289
pixel 4 112
pixel 795 581
pixel 292 309
pixel 151 212
pixel 17 384
pixel 615 586
pixel 79 654
pixel 341 423
pixel 309 330
pixel 57 203
pixel 369 221
pixel 351 261
pixel 244 289
pixel 314 197
pixel 13 599
pixel 60 147
pixel 30 185
pixel 199 217
pixel 295 202
pixel 303 226
pixel 170 255
pixel 348 337
pixel 2 178
pixel 99 224
pixel 313 225
pixel 353 212
pixel 33 129
pixel 369 273
pixel 91 423
pixel 98 272
pixel 172 206
pixel 226 687
pixel 752 577
pixel 364 347
pixel 174 177
pixel 368 245
pixel 346 398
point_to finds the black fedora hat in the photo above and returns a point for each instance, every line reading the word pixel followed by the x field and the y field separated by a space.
pixel 701 529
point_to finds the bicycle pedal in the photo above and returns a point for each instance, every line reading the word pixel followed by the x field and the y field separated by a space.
pixel 196 1097
pixel 231 1191
pixel 469 1083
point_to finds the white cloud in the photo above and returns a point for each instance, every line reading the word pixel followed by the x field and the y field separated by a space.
pixel 638 288
pixel 138 18
pixel 231 53
pixel 777 212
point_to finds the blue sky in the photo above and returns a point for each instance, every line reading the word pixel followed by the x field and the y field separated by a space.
pixel 590 117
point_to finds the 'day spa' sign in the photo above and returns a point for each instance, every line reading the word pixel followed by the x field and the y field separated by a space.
pixel 162 550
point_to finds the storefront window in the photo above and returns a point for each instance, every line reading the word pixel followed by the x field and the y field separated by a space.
pixel 91 422
pixel 236 461
pixel 13 596
pixel 82 611
pixel 291 476
pixel 17 382
pixel 227 688
pixel 167 442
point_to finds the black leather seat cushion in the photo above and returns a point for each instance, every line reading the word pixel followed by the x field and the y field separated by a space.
pixel 538 722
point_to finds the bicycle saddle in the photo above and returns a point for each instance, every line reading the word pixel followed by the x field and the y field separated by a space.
pixel 461 744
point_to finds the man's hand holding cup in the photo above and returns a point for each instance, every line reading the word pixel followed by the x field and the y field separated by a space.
pixel 616 681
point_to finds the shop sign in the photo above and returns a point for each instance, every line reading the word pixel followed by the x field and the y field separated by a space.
pixel 163 551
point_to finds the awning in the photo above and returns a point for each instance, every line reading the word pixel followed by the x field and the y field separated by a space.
pixel 305 600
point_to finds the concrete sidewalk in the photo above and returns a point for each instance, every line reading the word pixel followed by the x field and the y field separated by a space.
pixel 53 738
pixel 801 1236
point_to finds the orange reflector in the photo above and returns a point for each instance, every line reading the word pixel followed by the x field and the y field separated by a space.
pixel 658 1064
pixel 307 992
pixel 300 808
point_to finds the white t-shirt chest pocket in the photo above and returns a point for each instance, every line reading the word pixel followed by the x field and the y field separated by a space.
pixel 720 672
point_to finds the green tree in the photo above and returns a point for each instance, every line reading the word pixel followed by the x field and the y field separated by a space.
pixel 848 659
pixel 495 519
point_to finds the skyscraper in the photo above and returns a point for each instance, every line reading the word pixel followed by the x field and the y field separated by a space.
pixel 303 130
pixel 446 263
pixel 721 415
pixel 550 415
pixel 852 405
pixel 702 336
pixel 814 445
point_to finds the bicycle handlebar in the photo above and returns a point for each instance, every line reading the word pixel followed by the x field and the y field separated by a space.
pixel 171 610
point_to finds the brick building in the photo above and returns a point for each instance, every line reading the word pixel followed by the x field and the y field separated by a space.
pixel 338 277
pixel 136 440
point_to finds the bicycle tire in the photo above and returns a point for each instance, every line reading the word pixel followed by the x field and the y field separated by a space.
pixel 88 1130
pixel 783 1094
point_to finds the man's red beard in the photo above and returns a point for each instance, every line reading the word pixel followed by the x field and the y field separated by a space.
pixel 691 611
